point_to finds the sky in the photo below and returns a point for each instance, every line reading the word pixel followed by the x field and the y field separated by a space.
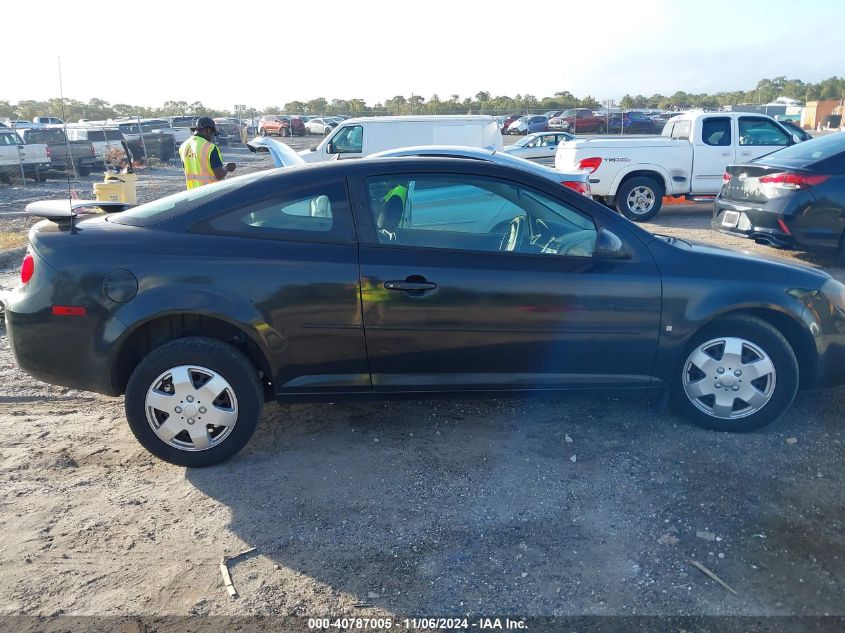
pixel 262 53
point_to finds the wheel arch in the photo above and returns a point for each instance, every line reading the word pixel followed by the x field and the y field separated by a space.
pixel 162 328
pixel 654 172
pixel 793 330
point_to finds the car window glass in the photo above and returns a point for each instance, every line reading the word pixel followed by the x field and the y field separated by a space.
pixel 716 131
pixel 349 140
pixel 476 213
pixel 681 130
pixel 825 148
pixel 8 139
pixel 308 213
pixel 548 141
pixel 756 131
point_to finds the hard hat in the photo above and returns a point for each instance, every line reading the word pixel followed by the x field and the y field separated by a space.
pixel 203 121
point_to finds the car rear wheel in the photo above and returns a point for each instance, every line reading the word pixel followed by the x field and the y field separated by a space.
pixel 283 131
pixel 194 401
pixel 639 199
pixel 84 171
pixel 602 128
pixel 264 131
pixel 738 374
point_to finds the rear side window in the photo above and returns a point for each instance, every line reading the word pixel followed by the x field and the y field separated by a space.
pixel 828 150
pixel 681 130
pixel 8 139
pixel 716 131
pixel 317 212
pixel 96 135
pixel 179 203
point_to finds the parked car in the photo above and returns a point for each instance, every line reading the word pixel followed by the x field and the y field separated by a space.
pixel 661 119
pixel 20 123
pixel 297 125
pixel 632 122
pixel 454 276
pixel 529 124
pixel 228 133
pixel 552 113
pixel 15 157
pixel 321 125
pixel 276 124
pixel 154 137
pixel 577 180
pixel 357 138
pixel 794 197
pixel 579 120
pixel 181 126
pixel 47 120
pixel 540 146
pixel 506 122
pixel 65 155
pixel 687 160
pixel 107 142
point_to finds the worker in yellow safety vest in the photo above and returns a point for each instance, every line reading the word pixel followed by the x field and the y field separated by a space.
pixel 201 157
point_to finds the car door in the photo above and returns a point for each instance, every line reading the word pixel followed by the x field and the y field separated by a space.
pixel 452 300
pixel 346 143
pixel 758 136
pixel 713 150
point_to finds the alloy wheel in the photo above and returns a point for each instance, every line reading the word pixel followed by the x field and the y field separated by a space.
pixel 191 408
pixel 729 378
pixel 641 200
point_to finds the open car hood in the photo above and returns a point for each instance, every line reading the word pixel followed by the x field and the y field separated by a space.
pixel 283 155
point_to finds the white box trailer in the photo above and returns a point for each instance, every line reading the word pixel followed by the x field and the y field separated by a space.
pixel 356 138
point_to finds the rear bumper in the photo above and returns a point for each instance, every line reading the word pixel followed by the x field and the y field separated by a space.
pixel 784 223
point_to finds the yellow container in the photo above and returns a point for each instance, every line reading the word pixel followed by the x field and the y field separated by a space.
pixel 117 188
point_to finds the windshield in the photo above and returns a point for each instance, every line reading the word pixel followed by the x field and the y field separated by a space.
pixel 808 152
pixel 179 203
pixel 525 140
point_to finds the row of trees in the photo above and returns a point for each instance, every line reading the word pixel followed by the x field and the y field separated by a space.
pixel 483 102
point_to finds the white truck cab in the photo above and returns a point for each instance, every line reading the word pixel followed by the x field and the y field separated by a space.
pixel 356 138
pixel 688 159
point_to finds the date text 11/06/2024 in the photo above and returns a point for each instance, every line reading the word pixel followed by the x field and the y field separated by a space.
pixel 375 624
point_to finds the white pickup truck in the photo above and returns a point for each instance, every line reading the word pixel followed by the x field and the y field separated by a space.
pixel 16 156
pixel 688 159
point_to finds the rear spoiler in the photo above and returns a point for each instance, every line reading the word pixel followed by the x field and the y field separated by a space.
pixel 67 209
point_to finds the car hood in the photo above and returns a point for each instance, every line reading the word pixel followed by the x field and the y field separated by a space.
pixel 746 262
pixel 283 155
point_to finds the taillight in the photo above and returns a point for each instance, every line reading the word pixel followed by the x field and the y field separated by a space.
pixel 580 186
pixel 92 151
pixel 590 164
pixel 792 181
pixel 726 177
pixel 27 268
pixel 49 152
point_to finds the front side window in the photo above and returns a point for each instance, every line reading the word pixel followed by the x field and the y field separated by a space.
pixel 314 211
pixel 757 131
pixel 716 131
pixel 476 214
pixel 349 140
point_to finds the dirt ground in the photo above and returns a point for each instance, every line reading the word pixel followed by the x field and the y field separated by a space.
pixel 588 504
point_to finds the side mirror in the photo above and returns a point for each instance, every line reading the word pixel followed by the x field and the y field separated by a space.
pixel 609 246
pixel 330 149
pixel 313 148
pixel 796 138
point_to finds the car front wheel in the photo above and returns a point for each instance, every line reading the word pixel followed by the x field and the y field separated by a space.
pixel 738 374
pixel 194 401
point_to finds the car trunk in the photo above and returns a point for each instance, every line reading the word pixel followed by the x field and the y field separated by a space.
pixel 745 185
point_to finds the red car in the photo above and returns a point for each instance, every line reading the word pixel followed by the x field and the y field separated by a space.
pixel 579 121
pixel 507 121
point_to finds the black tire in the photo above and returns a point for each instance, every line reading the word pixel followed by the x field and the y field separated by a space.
pixel 768 339
pixel 284 132
pixel 39 175
pixel 264 131
pixel 217 356
pixel 84 171
pixel 602 128
pixel 640 182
